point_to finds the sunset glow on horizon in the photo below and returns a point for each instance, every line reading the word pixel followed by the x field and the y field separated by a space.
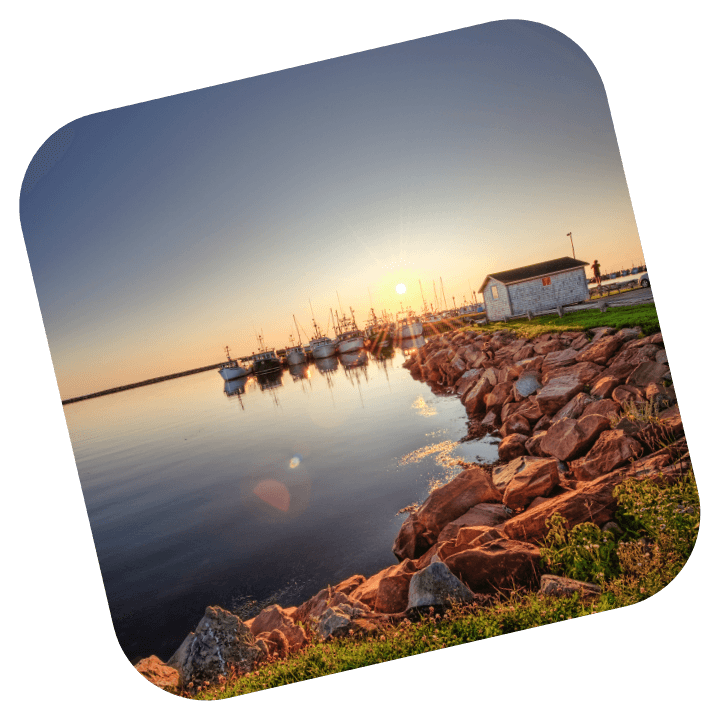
pixel 392 179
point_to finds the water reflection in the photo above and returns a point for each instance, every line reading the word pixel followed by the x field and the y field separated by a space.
pixel 327 365
pixel 411 345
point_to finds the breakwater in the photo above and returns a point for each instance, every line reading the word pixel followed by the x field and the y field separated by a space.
pixel 140 384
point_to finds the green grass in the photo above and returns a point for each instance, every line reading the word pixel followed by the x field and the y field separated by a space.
pixel 643 316
pixel 658 527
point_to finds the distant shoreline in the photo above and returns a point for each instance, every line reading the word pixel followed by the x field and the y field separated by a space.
pixel 140 384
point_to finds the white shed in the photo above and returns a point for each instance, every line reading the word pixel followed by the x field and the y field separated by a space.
pixel 543 286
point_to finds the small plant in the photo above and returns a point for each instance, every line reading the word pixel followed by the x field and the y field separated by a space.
pixel 584 553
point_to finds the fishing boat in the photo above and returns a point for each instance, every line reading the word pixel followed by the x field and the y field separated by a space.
pixel 296 354
pixel 348 337
pixel 409 326
pixel 232 369
pixel 356 358
pixel 265 360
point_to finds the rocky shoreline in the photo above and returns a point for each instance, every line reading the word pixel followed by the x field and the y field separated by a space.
pixel 572 411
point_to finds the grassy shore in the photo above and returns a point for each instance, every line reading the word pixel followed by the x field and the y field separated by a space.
pixel 658 525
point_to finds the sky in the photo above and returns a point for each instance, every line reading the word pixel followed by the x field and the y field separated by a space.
pixel 161 232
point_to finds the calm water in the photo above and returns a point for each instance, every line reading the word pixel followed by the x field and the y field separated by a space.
pixel 202 493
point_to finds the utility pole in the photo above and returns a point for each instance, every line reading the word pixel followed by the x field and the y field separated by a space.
pixel 572 244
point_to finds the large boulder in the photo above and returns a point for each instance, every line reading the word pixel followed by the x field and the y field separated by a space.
pixel 436 586
pixel 221 642
pixel 590 502
pixel 383 585
pixel 515 424
pixel 466 381
pixel 585 372
pixel 565 440
pixel 275 618
pixel 613 449
pixel 474 398
pixel 557 392
pixel 512 446
pixel 535 478
pixel 448 502
pixel 499 565
pixel 392 593
pixel 609 408
pixel 601 350
pixel 646 373
pixel 559 358
pixel 482 514
pixel 495 399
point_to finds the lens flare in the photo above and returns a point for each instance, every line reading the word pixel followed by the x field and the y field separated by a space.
pixel 274 493
pixel 295 461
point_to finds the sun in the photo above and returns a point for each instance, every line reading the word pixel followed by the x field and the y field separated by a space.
pixel 400 289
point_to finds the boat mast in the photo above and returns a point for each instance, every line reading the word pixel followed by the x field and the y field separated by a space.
pixel 443 292
pixel 422 296
pixel 298 330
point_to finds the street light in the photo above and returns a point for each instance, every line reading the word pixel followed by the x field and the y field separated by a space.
pixel 571 243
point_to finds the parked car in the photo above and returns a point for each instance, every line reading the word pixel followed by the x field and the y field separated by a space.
pixel 644 280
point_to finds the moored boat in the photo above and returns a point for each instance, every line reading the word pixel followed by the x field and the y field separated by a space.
pixel 348 337
pixel 232 369
pixel 265 360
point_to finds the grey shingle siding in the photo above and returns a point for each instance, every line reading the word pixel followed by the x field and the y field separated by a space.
pixel 517 298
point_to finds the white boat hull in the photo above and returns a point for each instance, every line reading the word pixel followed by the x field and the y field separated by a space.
pixel 232 373
pixel 296 357
pixel 350 345
pixel 323 351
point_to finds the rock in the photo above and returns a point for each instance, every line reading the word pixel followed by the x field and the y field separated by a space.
pixel 485 514
pixel 609 408
pixel 559 358
pixel 448 502
pixel 367 593
pixel 580 342
pixel 657 339
pixel 313 608
pixel 436 586
pixel 590 502
pixel 530 410
pixel 646 373
pixel 584 372
pixel 496 566
pixel 491 375
pixel 592 426
pixel 466 381
pixel 477 535
pixel 474 398
pixel 544 423
pixel 661 357
pixel 672 420
pixel 220 643
pixel 508 409
pixel 660 396
pixel 349 584
pixel 273 643
pixel 527 383
pixel 536 477
pixel 337 621
pixel 619 371
pixel 635 356
pixel 613 449
pixel 490 420
pixel 601 349
pixel 626 394
pixel 515 424
pixel 556 586
pixel 275 618
pixel 600 332
pixel 158 673
pixel 574 408
pixel 545 347
pixel 565 440
pixel 534 445
pixel 557 392
pixel 392 594
pixel 529 364
pixel 628 334
pixel 512 446
pixel 495 399
pixel 603 387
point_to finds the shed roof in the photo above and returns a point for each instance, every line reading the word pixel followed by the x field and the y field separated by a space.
pixel 529 272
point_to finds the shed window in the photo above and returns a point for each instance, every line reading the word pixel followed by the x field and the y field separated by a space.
pixel 494 292
pixel 546 281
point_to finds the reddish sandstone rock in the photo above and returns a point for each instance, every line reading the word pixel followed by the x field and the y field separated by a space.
pixel 619 371
pixel 559 358
pixel 525 352
pixel 603 388
pixel 491 375
pixel 636 356
pixel 499 394
pixel 274 643
pixel 529 364
pixel 515 424
pixel 601 350
pixel 392 593
pixel 466 381
pixel 508 409
pixel 349 584
pixel 545 347
pixel 497 566
pixel 580 342
pixel 476 535
pixel 474 399
pixel 672 420
pixel 485 514
pixel 420 530
pixel 544 423
pixel 609 408
pixel 512 446
pixel 275 618
pixel 574 408
pixel 318 603
pixel 534 445
pixel 646 373
pixel 613 449
pixel 592 426
pixel 537 477
pixel 490 420
pixel 557 392
pixel 584 372
pixel 158 673
pixel 565 440
pixel 530 410
pixel 626 394
pixel 367 593
pixel 591 502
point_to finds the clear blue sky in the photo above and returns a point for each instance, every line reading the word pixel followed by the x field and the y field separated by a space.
pixel 160 232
